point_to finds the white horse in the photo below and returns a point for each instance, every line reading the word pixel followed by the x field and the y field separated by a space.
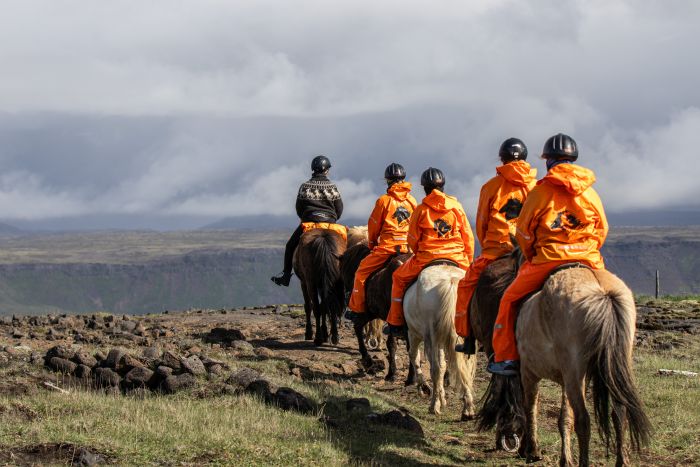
pixel 429 308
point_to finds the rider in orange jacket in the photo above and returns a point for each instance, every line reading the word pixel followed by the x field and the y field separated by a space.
pixel 387 231
pixel 500 202
pixel 562 221
pixel 439 230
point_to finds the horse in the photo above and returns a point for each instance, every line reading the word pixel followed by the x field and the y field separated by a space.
pixel 378 297
pixel 429 308
pixel 577 331
pixel 317 264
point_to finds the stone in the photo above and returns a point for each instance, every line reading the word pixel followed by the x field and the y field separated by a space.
pixel 62 365
pixel 175 383
pixel 151 353
pixel 243 377
pixel 83 371
pixel 215 369
pixel 261 388
pixel 113 358
pixel 264 352
pixel 140 330
pixel 397 419
pixel 193 365
pixel 105 377
pixel 81 357
pixel 127 362
pixel 289 399
pixel 138 377
pixel 360 404
pixel 18 334
pixel 85 458
pixel 164 371
pixel 223 336
pixel 295 372
pixel 170 359
pixel 127 326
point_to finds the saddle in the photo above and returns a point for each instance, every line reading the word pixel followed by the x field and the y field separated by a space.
pixel 337 228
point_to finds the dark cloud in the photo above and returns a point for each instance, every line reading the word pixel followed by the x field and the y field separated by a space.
pixel 138 110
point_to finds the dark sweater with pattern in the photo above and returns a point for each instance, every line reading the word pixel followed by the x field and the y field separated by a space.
pixel 319 200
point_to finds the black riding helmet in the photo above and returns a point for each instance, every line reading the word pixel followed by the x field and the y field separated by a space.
pixel 432 179
pixel 394 173
pixel 512 149
pixel 320 164
pixel 560 146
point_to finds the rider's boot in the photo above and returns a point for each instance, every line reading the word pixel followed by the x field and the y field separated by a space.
pixel 282 278
pixel 399 332
pixel 469 346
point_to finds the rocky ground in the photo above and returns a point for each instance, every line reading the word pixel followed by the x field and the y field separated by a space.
pixel 191 350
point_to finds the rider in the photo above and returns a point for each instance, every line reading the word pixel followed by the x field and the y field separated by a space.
pixel 500 202
pixel 562 221
pixel 439 230
pixel 387 229
pixel 318 200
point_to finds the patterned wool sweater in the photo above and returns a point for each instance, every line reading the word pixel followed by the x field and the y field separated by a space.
pixel 319 200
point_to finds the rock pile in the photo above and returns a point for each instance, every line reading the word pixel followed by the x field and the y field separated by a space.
pixel 252 382
pixel 119 371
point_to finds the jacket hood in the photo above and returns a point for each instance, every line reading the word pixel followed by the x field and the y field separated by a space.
pixel 439 201
pixel 400 190
pixel 574 178
pixel 517 172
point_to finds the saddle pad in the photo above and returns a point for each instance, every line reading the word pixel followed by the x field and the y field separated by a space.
pixel 337 228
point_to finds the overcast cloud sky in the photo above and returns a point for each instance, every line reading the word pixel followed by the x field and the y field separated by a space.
pixel 206 109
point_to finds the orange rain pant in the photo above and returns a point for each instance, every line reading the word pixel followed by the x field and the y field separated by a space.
pixel 402 278
pixel 368 265
pixel 530 278
pixel 466 289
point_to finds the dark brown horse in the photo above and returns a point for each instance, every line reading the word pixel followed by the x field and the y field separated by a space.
pixel 378 297
pixel 578 331
pixel 317 264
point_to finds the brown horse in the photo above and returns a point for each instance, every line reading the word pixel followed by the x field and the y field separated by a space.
pixel 378 297
pixel 317 264
pixel 577 331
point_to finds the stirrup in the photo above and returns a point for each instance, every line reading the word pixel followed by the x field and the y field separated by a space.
pixel 505 368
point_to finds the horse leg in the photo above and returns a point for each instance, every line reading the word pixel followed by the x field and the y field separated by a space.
pixel 333 316
pixel 575 391
pixel 320 338
pixel 391 347
pixel 411 378
pixel 360 334
pixel 414 355
pixel 530 447
pixel 466 379
pixel 307 309
pixel 565 425
pixel 438 368
pixel 620 424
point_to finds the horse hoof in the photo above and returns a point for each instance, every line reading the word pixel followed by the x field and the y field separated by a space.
pixel 425 389
pixel 467 417
pixel 390 377
pixel 309 336
pixel 532 459
pixel 318 342
pixel 510 443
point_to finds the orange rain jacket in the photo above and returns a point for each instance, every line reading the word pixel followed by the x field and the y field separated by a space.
pixel 500 202
pixel 563 218
pixel 388 224
pixel 439 229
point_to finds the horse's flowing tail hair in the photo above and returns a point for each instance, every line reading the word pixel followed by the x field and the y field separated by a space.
pixel 329 284
pixel 446 337
pixel 609 326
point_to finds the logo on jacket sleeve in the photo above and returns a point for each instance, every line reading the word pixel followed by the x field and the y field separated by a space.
pixel 566 221
pixel 401 215
pixel 441 227
pixel 511 209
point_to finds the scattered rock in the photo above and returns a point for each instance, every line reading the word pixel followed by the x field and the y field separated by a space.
pixel 289 399
pixel 360 404
pixel 242 346
pixel 113 358
pixel 151 352
pixel 216 369
pixel 85 458
pixel 193 365
pixel 62 365
pixel 127 362
pixel 106 377
pixel 83 358
pixel 295 372
pixel 243 377
pixel 170 359
pixel 223 336
pixel 18 334
pixel 83 371
pixel 164 371
pixel 397 419
pixel 60 351
pixel 138 377
pixel 261 388
pixel 175 383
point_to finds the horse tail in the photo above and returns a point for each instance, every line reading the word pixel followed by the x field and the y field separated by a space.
pixel 326 269
pixel 446 337
pixel 609 324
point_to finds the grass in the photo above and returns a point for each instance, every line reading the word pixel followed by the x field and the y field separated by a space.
pixel 196 428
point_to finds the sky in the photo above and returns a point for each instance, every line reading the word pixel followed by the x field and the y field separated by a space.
pixel 174 114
